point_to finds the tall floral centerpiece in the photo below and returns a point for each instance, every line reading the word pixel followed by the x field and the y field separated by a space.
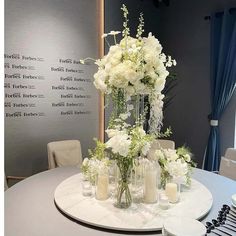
pixel 133 68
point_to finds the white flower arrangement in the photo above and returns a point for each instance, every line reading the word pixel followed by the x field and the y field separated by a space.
pixel 92 166
pixel 133 68
pixel 137 66
pixel 175 163
pixel 126 140
pixel 96 162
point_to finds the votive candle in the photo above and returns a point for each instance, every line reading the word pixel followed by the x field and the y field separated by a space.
pixel 163 201
pixel 171 191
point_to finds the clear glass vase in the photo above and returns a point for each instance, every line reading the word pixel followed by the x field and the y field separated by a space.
pixel 123 194
pixel 137 183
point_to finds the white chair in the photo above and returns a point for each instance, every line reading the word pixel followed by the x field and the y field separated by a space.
pixel 228 168
pixel 10 180
pixel 64 153
pixel 158 144
pixel 5 183
pixel 230 154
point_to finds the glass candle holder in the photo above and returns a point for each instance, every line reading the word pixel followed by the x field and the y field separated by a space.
pixel 113 178
pixel 137 183
pixel 172 190
pixel 86 187
pixel 150 183
pixel 102 185
pixel 163 201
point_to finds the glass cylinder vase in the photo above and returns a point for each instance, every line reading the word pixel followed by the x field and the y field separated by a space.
pixel 137 183
pixel 123 195
pixel 102 185
pixel 150 183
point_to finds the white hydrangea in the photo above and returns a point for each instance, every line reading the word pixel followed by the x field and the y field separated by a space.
pixel 152 43
pixel 177 168
pixel 92 166
pixel 170 154
pixel 119 144
pixel 99 81
pixel 111 132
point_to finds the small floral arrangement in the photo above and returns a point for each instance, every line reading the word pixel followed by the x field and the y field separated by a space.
pixel 126 140
pixel 176 164
pixel 97 161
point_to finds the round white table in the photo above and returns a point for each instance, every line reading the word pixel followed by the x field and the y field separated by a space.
pixel 30 208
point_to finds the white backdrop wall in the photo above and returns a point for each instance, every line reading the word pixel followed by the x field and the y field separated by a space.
pixel 48 95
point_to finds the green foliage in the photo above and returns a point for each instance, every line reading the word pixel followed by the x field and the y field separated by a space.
pixel 166 134
pixel 99 151
pixel 186 154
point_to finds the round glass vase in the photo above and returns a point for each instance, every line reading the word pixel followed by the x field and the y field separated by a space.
pixel 123 196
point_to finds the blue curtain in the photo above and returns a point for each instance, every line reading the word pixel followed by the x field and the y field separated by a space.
pixel 223 79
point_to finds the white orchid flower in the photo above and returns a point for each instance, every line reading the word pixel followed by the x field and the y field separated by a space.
pixel 104 35
pixel 114 32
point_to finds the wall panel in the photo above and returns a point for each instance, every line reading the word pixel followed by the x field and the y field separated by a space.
pixel 48 95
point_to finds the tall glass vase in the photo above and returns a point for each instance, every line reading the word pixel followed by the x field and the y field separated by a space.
pixel 123 195
pixel 138 102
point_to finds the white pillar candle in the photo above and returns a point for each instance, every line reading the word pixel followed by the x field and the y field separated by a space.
pixel 150 186
pixel 172 192
pixel 102 187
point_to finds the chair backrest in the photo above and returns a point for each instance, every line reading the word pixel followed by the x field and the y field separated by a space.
pixel 64 153
pixel 230 154
pixel 5 183
pixel 228 168
pixel 158 144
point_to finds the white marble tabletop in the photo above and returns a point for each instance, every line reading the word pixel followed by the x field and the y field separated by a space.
pixel 138 217
pixel 30 208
